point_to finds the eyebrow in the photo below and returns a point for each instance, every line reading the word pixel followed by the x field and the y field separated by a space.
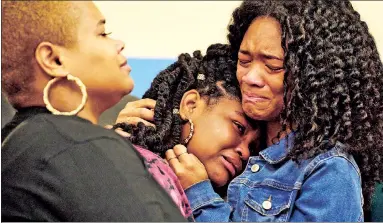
pixel 270 56
pixel 264 54
pixel 246 52
pixel 240 113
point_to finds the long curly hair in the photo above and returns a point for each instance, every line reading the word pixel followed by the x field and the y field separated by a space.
pixel 169 86
pixel 335 77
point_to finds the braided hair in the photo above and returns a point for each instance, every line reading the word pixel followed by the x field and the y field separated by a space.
pixel 169 87
pixel 335 77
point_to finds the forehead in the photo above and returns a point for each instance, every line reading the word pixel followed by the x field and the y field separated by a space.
pixel 263 33
pixel 90 17
pixel 226 105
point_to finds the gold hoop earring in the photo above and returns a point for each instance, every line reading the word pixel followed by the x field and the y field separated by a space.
pixel 69 78
pixel 191 132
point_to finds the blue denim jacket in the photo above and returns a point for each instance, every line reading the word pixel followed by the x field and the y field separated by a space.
pixel 274 188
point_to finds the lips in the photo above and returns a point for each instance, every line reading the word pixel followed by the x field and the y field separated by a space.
pixel 253 97
pixel 125 66
pixel 125 63
pixel 233 164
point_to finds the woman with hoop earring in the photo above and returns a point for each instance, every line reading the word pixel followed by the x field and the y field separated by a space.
pixel 61 70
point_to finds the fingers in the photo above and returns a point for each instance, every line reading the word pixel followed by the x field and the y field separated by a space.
pixel 142 113
pixel 138 111
pixel 142 103
pixel 119 131
pixel 122 133
pixel 172 160
pixel 187 167
pixel 134 121
pixel 108 126
pixel 169 154
pixel 181 152
pixel 195 159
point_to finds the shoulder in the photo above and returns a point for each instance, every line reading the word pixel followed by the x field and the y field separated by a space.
pixel 336 160
pixel 72 128
pixel 46 136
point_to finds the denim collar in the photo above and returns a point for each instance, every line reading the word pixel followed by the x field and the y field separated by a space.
pixel 278 152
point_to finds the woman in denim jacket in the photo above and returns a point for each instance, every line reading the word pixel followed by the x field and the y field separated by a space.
pixel 312 72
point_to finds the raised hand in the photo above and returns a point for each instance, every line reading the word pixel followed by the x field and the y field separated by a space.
pixel 186 166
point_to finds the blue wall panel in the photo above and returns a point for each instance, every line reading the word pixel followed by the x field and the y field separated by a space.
pixel 144 71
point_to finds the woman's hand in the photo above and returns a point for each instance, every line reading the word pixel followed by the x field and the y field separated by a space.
pixel 138 111
pixel 186 166
pixel 119 131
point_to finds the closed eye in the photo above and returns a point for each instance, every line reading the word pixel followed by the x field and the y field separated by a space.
pixel 274 68
pixel 243 62
pixel 240 127
pixel 105 34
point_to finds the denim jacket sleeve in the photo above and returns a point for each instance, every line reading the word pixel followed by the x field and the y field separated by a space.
pixel 317 200
pixel 206 204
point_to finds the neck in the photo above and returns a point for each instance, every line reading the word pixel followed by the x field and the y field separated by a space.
pixel 89 115
pixel 66 101
pixel 273 128
pixel 66 96
pixel 86 113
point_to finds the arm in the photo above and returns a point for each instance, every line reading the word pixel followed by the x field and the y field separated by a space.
pixel 99 180
pixel 332 192
pixel 205 203
pixel 207 206
pixel 108 182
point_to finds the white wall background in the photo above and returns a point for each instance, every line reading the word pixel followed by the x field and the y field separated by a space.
pixel 167 28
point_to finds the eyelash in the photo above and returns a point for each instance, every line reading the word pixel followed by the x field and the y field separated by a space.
pixel 240 127
pixel 243 63
pixel 106 34
pixel 274 68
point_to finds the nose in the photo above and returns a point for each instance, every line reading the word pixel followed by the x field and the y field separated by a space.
pixel 120 45
pixel 254 77
pixel 243 151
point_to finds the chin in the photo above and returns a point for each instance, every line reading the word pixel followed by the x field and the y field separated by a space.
pixel 219 184
pixel 258 114
pixel 254 113
pixel 127 88
pixel 219 181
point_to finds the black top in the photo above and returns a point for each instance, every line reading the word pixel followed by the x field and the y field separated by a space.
pixel 60 168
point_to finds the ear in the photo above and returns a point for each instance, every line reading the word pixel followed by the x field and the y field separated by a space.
pixel 190 102
pixel 48 58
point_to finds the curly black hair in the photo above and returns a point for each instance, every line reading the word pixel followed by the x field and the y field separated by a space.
pixel 169 86
pixel 335 76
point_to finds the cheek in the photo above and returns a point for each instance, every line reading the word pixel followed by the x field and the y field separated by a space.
pixel 210 138
pixel 240 73
pixel 103 58
pixel 99 53
pixel 98 66
pixel 277 88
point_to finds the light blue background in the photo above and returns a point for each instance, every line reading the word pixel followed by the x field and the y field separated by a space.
pixel 143 72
